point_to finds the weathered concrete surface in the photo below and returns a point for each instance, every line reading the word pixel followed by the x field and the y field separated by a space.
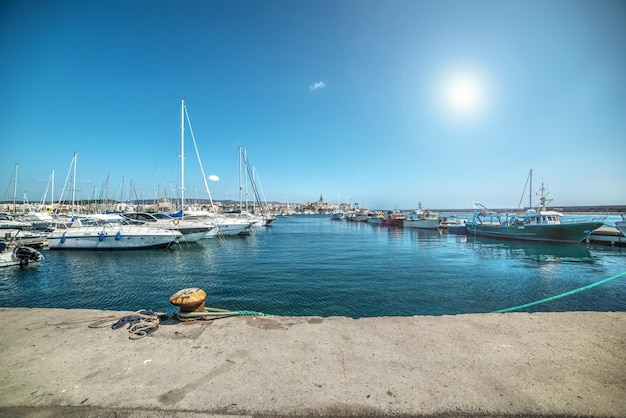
pixel 543 364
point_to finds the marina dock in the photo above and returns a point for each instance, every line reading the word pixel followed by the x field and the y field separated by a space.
pixel 517 364
pixel 607 236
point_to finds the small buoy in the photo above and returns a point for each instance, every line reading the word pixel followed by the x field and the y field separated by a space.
pixel 101 236
pixel 118 236
pixel 189 300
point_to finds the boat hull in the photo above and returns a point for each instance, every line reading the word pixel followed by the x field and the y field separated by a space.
pixel 393 222
pixel 422 223
pixel 98 238
pixel 571 233
pixel 233 228
pixel 196 235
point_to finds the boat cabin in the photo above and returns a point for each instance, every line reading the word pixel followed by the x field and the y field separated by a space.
pixel 533 217
pixel 484 216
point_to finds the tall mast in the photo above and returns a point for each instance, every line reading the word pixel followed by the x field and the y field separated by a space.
pixel 245 179
pixel 52 195
pixel 240 179
pixel 182 156
pixel 15 191
pixel 530 193
pixel 74 186
pixel 106 193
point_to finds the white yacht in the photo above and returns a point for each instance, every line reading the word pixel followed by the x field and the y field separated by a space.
pixel 226 225
pixel 192 230
pixel 109 232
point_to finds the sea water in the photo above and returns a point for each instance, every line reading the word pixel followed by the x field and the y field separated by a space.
pixel 312 265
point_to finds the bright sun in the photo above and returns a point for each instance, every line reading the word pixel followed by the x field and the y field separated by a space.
pixel 463 94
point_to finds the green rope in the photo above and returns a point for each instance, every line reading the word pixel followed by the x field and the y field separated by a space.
pixel 217 313
pixel 571 292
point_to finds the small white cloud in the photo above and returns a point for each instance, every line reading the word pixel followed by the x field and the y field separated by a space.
pixel 318 85
pixel 213 177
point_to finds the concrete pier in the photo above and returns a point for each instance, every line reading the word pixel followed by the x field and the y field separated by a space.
pixel 517 364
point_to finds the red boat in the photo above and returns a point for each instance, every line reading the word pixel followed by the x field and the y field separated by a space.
pixel 395 218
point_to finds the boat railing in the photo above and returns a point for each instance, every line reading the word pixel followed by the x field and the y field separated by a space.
pixel 569 219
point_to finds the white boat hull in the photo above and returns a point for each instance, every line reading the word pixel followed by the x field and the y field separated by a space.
pixel 111 238
pixel 189 237
pixel 422 223
pixel 226 228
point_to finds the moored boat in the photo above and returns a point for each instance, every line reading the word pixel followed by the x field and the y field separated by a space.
pixel 454 224
pixel 375 218
pixel 357 216
pixel 226 225
pixel 191 230
pixel 531 225
pixel 8 222
pixel 18 255
pixel 395 218
pixel 108 232
pixel 422 218
pixel 621 225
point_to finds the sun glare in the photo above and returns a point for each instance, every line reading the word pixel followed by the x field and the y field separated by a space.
pixel 462 88
pixel 463 94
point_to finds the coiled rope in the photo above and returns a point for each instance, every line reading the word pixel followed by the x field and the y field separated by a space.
pixel 571 292
pixel 140 324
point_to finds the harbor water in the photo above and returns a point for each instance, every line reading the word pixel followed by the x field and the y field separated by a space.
pixel 312 265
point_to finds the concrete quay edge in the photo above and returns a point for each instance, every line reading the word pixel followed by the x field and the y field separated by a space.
pixel 478 365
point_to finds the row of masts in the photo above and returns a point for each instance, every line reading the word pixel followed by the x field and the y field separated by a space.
pixel 246 172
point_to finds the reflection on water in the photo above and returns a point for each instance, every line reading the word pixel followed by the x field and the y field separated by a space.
pixel 539 252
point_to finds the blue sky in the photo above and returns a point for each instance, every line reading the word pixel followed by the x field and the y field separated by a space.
pixel 385 104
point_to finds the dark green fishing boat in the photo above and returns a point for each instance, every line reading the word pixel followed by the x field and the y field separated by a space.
pixel 537 224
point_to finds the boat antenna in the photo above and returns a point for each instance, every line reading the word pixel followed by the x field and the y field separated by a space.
pixel 543 200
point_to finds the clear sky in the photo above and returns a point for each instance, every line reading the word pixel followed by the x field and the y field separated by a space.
pixel 381 103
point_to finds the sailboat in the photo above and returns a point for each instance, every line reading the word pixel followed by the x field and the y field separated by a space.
pixel 225 225
pixel 534 224
pixel 245 173
pixel 106 232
